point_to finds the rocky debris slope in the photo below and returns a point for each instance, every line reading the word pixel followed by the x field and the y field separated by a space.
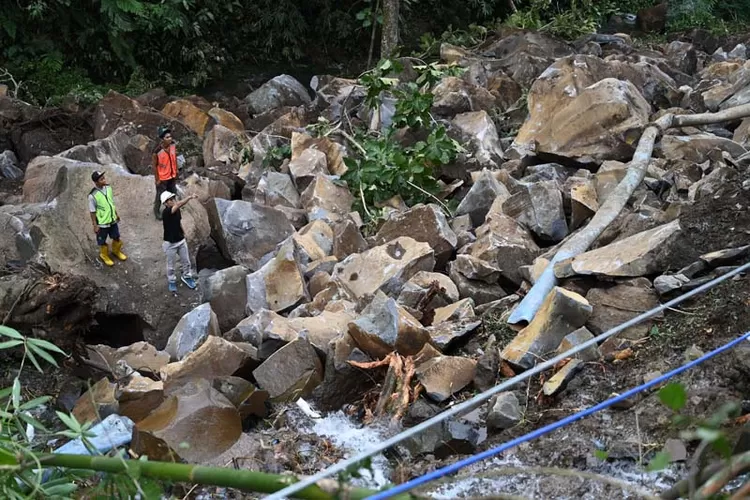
pixel 300 300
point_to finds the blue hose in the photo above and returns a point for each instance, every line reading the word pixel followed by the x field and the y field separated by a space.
pixel 450 469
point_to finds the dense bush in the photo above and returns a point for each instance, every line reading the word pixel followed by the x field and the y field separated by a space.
pixel 59 46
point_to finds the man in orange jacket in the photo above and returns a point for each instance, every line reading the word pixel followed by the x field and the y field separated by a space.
pixel 165 167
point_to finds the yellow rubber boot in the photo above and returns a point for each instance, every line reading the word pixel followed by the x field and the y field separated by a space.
pixel 104 255
pixel 117 250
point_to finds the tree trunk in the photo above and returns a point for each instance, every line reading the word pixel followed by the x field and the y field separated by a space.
pixel 389 37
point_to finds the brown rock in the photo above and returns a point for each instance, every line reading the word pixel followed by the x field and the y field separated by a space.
pixel 561 313
pixel 195 423
pixel 139 396
pixel 696 148
pixel 584 202
pixel 425 223
pixel 461 310
pixel 342 382
pixel 306 166
pixel 324 199
pixel 454 95
pixel 638 255
pixel 618 304
pixel 443 376
pixel 188 113
pixel 116 110
pixel 334 152
pixel 385 327
pixel 386 267
pixel 416 289
pixel 314 241
pixel 575 126
pixel 243 395
pixel 347 239
pixel 559 381
pixel 279 285
pixel 140 356
pixel 290 373
pixel 227 119
pixel 215 358
pixel 97 403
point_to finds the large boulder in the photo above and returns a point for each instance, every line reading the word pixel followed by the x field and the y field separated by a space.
pixel 279 285
pixel 67 244
pixel 600 122
pixel 192 330
pixel 189 114
pixel 282 90
pixel 426 223
pixel 226 291
pixel 386 267
pixel 116 110
pixel 246 232
pixel 196 423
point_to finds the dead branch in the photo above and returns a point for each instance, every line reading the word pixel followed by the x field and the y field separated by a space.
pixel 738 464
pixel 736 113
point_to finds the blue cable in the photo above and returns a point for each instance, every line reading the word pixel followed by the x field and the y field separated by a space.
pixel 450 469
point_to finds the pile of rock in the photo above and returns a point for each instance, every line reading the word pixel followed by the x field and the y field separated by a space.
pixel 308 293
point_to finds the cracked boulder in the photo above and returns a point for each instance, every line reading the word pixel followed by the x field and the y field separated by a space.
pixel 279 285
pixel 216 357
pixel 483 193
pixel 386 267
pixel 277 189
pixel 477 129
pixel 425 223
pixel 539 207
pixel 246 232
pixel 326 200
pixel 226 292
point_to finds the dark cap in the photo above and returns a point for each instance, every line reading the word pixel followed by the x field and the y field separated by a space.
pixel 97 175
pixel 162 131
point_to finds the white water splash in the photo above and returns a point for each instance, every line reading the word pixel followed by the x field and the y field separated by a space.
pixel 352 439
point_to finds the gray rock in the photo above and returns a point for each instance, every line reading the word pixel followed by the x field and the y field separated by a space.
pixel 539 207
pixel 246 232
pixel 478 129
pixel 480 197
pixel 191 331
pixel 275 188
pixel 504 411
pixel 669 283
pixel 738 52
pixel 577 338
pixel 226 291
pixel 9 166
pixel 282 90
pixel 291 372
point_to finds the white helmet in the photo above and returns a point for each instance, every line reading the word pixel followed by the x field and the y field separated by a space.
pixel 165 196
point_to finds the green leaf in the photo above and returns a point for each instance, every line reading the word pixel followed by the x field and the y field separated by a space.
pixel 673 396
pixel 10 332
pixel 69 421
pixel 7 457
pixel 8 344
pixel 32 422
pixel 28 405
pixel 47 346
pixel 602 455
pixel 43 354
pixel 722 446
pixel 33 360
pixel 60 490
pixel 660 461
pixel 16 393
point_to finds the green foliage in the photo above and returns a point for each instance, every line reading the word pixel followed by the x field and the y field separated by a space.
pixel 386 168
pixel 673 396
pixel 276 156
pixel 705 430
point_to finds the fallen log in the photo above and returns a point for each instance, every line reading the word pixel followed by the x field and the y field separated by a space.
pixel 611 208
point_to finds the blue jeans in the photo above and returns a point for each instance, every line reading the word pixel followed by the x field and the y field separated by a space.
pixel 112 231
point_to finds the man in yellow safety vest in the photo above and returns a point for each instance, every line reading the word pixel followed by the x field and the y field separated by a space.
pixel 104 218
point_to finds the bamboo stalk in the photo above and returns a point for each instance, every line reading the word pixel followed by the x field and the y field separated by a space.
pixel 247 480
